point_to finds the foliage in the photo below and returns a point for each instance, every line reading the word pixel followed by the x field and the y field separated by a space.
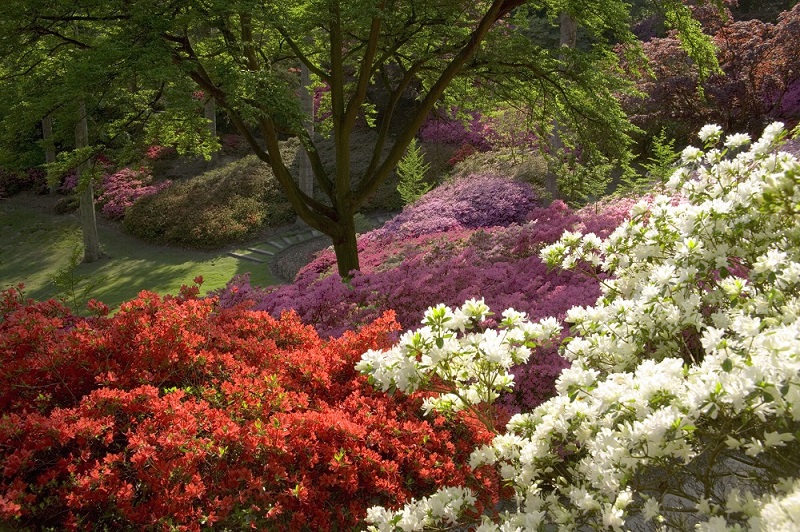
pixel 218 208
pixel 581 179
pixel 411 172
pixel 12 183
pixel 661 163
pixel 74 290
pixel 173 413
pixel 120 189
pixel 759 74
pixel 66 205
pixel 246 56
pixel 452 129
pixel 680 408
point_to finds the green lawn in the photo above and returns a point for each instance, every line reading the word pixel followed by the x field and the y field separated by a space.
pixel 35 244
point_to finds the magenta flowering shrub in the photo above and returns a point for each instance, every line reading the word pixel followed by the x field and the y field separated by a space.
pixel 12 183
pixel 409 274
pixel 121 189
pixel 470 202
pixel 453 131
pixel 479 133
pixel 156 152
pixel 69 182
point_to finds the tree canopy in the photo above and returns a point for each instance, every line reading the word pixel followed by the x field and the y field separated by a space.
pixel 246 54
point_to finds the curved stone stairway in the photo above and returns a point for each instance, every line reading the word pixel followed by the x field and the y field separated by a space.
pixel 266 251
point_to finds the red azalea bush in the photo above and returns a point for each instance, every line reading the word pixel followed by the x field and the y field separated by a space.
pixel 157 152
pixel 175 414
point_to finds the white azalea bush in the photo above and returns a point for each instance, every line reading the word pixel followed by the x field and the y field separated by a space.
pixel 681 408
pixel 453 354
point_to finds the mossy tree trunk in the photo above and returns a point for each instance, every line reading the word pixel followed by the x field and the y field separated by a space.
pixel 568 39
pixel 91 240
pixel 49 146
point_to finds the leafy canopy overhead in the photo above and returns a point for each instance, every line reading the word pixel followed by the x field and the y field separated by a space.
pixel 246 54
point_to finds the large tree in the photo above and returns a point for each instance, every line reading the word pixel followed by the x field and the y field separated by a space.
pixel 246 53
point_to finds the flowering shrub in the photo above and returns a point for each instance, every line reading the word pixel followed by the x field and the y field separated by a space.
pixel 218 208
pixel 451 130
pixel 12 183
pixel 122 188
pixel 463 203
pixel 233 143
pixel 409 274
pixel 681 407
pixel 157 152
pixel 760 74
pixel 463 151
pixel 176 414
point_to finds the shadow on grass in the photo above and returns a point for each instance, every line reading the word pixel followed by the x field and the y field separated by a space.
pixel 35 244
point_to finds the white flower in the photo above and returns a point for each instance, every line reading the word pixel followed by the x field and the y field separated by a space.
pixel 737 140
pixel 782 513
pixel 777 439
pixel 651 510
pixel 772 131
pixel 674 347
pixel 714 524
pixel 690 154
pixel 709 133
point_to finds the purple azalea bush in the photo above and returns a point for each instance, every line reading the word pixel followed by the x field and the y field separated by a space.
pixel 470 202
pixel 122 188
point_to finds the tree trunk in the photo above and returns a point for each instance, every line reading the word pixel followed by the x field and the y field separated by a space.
pixel 210 113
pixel 49 147
pixel 305 177
pixel 345 246
pixel 569 36
pixel 91 241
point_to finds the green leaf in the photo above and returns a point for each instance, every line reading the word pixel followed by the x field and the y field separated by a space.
pixel 727 365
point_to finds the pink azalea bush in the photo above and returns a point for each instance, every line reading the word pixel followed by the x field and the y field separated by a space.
pixel 409 272
pixel 478 133
pixel 447 129
pixel 122 188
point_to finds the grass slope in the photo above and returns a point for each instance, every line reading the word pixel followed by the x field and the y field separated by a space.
pixel 35 244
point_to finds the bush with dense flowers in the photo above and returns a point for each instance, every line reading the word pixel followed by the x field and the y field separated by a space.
pixel 122 188
pixel 681 407
pixel 463 203
pixel 12 183
pixel 175 414
pixel 409 273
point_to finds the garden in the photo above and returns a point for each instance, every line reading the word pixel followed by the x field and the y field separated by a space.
pixel 537 338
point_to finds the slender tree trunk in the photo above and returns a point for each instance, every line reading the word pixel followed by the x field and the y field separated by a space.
pixel 569 35
pixel 91 241
pixel 210 113
pixel 569 31
pixel 305 177
pixel 49 147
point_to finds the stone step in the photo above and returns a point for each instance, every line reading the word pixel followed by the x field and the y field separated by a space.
pixel 292 239
pixel 267 252
pixel 245 257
